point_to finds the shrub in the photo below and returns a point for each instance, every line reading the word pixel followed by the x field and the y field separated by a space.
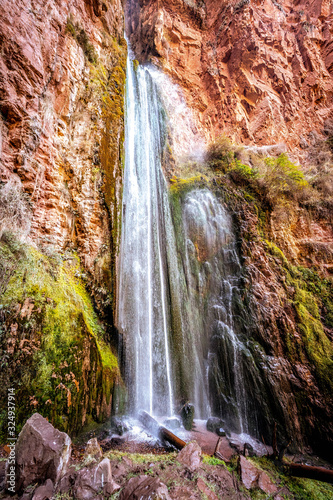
pixel 221 153
pixel 282 177
pixel 15 209
pixel 323 180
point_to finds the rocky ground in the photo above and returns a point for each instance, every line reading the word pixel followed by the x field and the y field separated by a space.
pixel 49 466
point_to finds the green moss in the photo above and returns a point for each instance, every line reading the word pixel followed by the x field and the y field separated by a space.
pixel 53 344
pixel 142 458
pixel 180 187
pixel 312 298
pixel 303 489
pixel 207 459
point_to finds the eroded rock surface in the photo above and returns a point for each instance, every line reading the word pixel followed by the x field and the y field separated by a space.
pixel 62 72
pixel 190 456
pixel 42 453
pixel 259 71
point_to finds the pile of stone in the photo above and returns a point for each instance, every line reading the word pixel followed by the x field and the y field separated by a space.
pixel 42 456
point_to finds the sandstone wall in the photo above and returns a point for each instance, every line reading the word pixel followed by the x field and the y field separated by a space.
pixel 259 71
pixel 62 73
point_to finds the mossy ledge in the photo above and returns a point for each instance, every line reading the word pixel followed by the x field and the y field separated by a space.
pixel 53 351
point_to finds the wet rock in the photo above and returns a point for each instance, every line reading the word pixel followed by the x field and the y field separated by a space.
pixel 44 492
pixel 190 456
pixel 42 452
pixel 187 416
pixel 220 432
pixel 93 450
pixel 214 423
pixel 119 426
pixel 172 423
pixel 93 480
pixel 108 444
pixel 249 473
pixel 145 488
pixel 249 450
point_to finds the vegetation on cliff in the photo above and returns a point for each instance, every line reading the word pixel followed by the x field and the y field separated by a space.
pixel 287 304
pixel 53 350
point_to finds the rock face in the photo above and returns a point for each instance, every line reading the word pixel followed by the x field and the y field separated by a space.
pixel 42 453
pixel 62 78
pixel 90 481
pixel 259 71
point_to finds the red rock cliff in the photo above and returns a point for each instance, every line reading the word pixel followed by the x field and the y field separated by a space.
pixel 259 71
pixel 62 73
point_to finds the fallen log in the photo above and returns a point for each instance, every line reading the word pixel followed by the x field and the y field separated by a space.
pixel 309 472
pixel 159 431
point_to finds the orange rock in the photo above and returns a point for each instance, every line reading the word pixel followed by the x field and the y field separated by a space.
pixel 261 72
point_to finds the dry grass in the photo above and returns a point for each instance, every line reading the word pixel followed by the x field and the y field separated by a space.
pixel 15 210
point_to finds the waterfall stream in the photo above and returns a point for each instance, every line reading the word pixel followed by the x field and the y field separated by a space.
pixel 179 278
pixel 144 314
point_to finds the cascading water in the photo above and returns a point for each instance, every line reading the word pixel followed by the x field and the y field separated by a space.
pixel 144 313
pixel 211 269
pixel 179 278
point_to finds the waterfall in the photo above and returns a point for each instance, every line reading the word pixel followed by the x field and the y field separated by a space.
pixel 212 270
pixel 144 311
pixel 180 309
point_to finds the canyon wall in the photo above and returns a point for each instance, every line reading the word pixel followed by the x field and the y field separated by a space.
pixel 259 71
pixel 62 74
pixel 62 79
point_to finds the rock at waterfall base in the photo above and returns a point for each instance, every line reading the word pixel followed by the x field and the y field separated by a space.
pixel 214 424
pixel 187 416
pixel 190 456
pixel 42 453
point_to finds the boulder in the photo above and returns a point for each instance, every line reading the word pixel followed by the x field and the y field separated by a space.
pixel 214 423
pixel 44 492
pixel 187 416
pixel 190 456
pixel 266 484
pixel 93 480
pixel 255 478
pixel 93 450
pixel 42 452
pixel 119 426
pixel 144 488
pixel 172 423
pixel 249 473
pixel 220 432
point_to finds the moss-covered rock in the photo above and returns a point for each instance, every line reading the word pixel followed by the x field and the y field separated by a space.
pixel 53 349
